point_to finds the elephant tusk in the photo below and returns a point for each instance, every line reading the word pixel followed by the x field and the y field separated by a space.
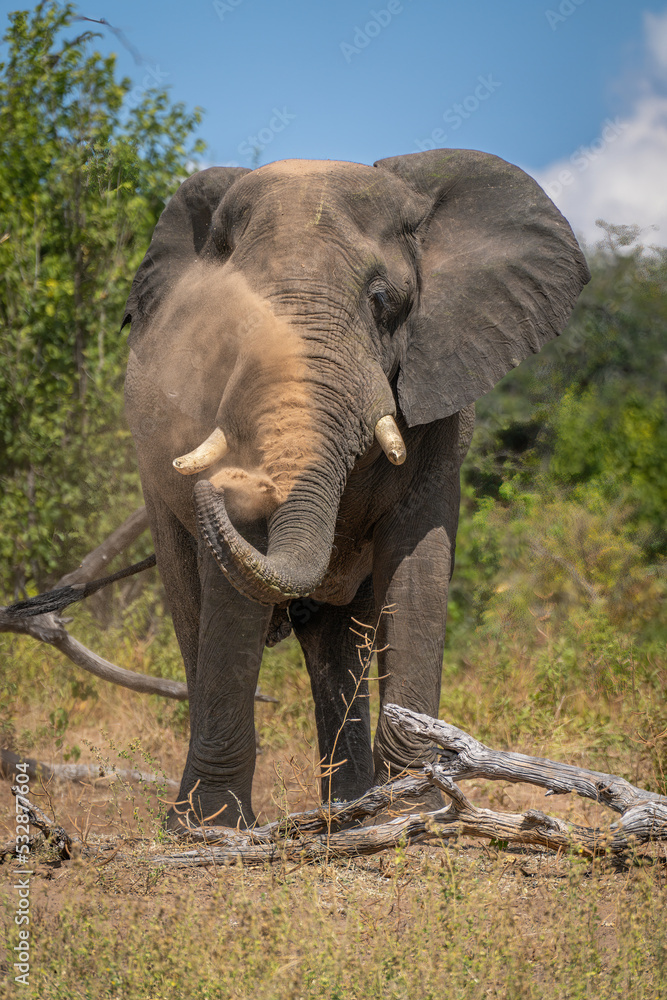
pixel 203 457
pixel 389 438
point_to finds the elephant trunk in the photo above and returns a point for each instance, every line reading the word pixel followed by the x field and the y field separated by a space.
pixel 301 530
pixel 301 535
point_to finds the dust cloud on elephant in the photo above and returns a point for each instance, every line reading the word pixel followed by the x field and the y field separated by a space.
pixel 307 343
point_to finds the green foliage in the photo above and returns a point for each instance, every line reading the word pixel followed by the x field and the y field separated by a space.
pixel 610 448
pixel 83 179
pixel 565 486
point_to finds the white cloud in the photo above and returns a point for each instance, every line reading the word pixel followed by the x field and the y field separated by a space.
pixel 621 175
pixel 655 28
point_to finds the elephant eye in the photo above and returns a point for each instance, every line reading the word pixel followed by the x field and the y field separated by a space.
pixel 386 305
pixel 380 301
pixel 378 294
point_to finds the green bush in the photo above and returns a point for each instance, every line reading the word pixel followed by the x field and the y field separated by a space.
pixel 83 179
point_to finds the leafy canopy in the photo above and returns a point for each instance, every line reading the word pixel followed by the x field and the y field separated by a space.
pixel 84 176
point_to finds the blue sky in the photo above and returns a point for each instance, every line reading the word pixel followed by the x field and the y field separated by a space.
pixel 574 91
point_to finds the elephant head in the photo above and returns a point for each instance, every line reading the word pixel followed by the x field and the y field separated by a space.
pixel 297 315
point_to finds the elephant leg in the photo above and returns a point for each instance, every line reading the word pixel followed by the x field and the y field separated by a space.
pixel 413 561
pixel 340 690
pixel 176 552
pixel 217 779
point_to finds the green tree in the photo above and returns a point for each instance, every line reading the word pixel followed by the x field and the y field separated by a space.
pixel 565 486
pixel 83 179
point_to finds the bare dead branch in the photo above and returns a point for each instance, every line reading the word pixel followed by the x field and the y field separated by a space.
pixel 81 583
pixel 354 843
pixel 465 757
pixel 35 769
pixel 97 561
pixel 331 816
pixel 50 629
pixel 301 836
pixel 52 601
pixel 36 616
pixel 317 835
pixel 641 824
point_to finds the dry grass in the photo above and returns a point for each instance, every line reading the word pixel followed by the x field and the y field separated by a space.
pixel 469 921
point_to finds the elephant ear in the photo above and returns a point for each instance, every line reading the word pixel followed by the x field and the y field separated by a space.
pixel 178 240
pixel 500 273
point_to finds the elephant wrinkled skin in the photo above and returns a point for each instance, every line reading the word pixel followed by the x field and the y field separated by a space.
pixel 289 325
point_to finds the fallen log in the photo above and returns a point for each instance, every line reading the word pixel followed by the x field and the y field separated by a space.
pixel 329 817
pixel 641 824
pixel 36 770
pixel 301 836
pixel 465 757
pixel 317 835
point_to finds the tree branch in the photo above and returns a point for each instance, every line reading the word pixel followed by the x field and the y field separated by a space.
pixel 96 561
pixel 48 628
pixel 35 769
pixel 465 757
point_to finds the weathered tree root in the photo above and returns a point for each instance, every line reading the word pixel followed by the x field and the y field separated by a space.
pixel 641 824
pixel 327 818
pixel 305 836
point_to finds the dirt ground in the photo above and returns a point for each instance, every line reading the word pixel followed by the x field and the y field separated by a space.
pixel 525 902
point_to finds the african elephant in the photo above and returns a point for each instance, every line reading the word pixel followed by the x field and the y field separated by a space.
pixel 307 342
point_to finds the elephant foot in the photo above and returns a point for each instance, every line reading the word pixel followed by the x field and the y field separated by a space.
pixel 396 754
pixel 397 751
pixel 202 807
